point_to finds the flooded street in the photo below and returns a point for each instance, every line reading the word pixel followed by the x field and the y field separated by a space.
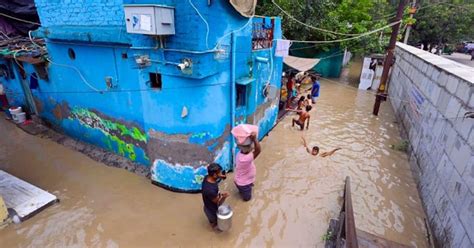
pixel 295 194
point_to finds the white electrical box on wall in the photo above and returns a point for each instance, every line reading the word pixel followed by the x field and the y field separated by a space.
pixel 149 19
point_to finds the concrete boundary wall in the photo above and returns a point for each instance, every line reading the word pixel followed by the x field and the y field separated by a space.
pixel 430 95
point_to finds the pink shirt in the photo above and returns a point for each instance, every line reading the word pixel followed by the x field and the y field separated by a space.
pixel 245 170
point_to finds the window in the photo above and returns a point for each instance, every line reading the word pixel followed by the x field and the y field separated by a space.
pixel 241 95
pixel 155 81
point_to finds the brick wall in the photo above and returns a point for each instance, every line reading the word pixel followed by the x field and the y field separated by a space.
pixel 80 12
pixel 430 95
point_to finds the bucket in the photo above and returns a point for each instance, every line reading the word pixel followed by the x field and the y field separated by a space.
pixel 15 110
pixel 224 217
pixel 19 118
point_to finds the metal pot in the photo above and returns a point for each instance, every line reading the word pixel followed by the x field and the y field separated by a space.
pixel 224 217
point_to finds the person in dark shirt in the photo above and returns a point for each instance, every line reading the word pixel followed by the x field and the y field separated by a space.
pixel 211 196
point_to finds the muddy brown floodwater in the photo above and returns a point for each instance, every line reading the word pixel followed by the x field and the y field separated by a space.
pixel 295 194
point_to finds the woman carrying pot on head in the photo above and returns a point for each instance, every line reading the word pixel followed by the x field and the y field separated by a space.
pixel 245 169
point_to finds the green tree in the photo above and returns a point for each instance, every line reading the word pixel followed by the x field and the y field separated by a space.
pixel 443 23
pixel 339 16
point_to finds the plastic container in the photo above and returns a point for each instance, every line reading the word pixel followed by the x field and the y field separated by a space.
pixel 15 110
pixel 224 217
pixel 242 132
pixel 19 118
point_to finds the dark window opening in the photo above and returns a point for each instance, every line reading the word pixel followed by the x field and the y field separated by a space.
pixel 155 81
pixel 124 55
pixel 71 53
pixel 241 95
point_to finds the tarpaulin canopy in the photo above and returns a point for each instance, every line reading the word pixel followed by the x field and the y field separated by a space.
pixel 300 64
pixel 22 9
pixel 244 7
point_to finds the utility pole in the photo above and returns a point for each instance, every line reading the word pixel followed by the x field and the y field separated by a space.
pixel 381 95
pixel 412 12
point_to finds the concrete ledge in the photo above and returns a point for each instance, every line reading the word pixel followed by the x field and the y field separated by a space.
pixel 459 70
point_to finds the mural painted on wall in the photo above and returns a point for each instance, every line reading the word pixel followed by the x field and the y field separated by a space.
pixel 126 137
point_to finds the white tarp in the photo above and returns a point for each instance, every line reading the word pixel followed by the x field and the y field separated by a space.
pixel 300 64
pixel 244 7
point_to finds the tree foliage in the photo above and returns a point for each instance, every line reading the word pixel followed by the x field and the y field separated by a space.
pixel 342 16
pixel 443 23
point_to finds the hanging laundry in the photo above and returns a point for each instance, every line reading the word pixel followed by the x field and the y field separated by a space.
pixel 282 48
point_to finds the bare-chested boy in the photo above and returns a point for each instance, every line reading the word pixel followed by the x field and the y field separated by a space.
pixel 315 150
pixel 304 116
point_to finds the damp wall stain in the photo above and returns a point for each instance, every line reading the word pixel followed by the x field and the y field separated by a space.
pixel 61 111
pixel 182 159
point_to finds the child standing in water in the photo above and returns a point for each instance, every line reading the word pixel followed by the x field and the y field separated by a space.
pixel 245 169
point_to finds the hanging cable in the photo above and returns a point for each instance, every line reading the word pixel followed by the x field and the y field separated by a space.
pixel 204 20
pixel 19 19
pixel 78 72
pixel 309 26
pixel 347 39
pixel 238 30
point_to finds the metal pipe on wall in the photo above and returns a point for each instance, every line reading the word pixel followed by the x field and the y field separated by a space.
pixel 233 95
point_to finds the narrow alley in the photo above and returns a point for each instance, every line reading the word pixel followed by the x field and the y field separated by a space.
pixel 295 194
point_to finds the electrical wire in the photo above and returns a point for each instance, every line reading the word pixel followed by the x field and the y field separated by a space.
pixel 19 19
pixel 347 39
pixel 18 63
pixel 33 42
pixel 238 30
pixel 204 20
pixel 4 34
pixel 309 26
pixel 78 72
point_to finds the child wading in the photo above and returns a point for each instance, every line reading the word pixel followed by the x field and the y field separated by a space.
pixel 211 196
pixel 315 150
pixel 245 170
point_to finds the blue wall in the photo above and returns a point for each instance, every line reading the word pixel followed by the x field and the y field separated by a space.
pixel 144 124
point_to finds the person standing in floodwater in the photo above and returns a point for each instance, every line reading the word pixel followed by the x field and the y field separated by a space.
pixel 245 169
pixel 315 89
pixel 304 117
pixel 211 196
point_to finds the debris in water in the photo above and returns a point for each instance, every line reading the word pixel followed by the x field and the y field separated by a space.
pixel 401 146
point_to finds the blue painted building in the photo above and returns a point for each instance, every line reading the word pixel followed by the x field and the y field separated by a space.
pixel 126 92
